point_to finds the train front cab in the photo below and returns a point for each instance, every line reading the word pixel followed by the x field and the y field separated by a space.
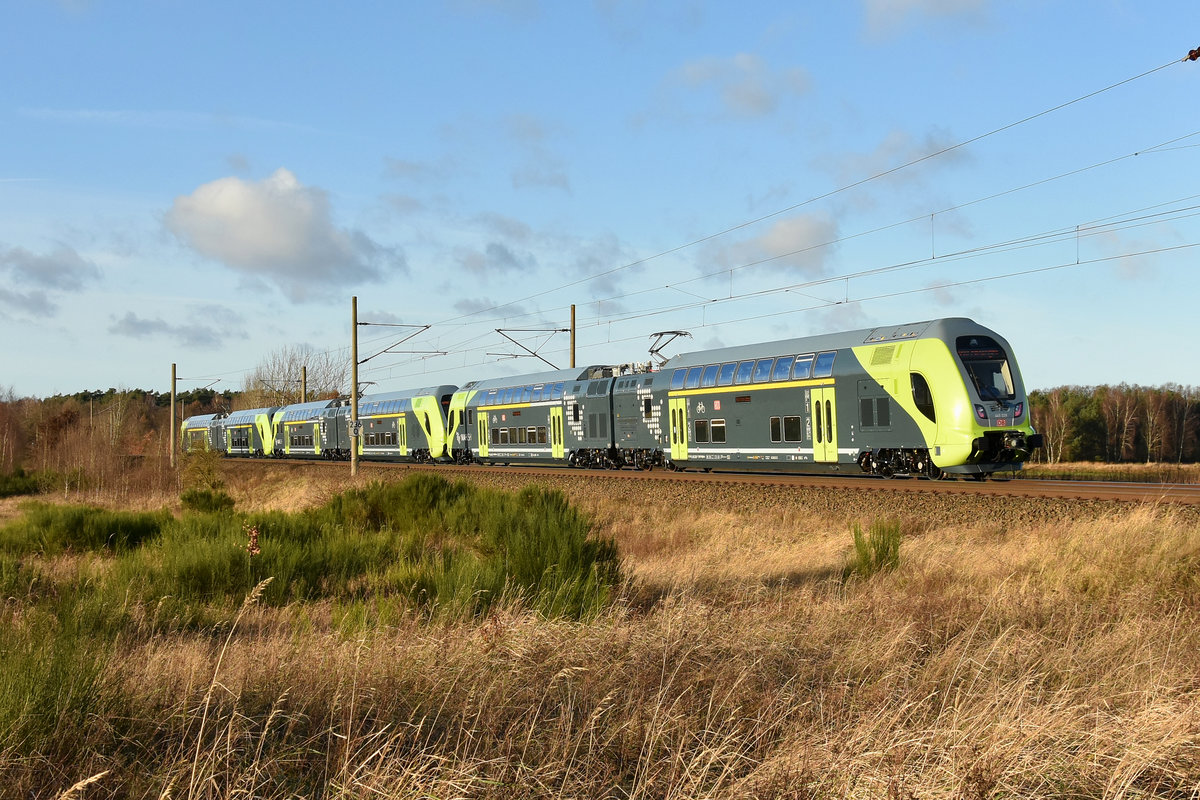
pixel 960 384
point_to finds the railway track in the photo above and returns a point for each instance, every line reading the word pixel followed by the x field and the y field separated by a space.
pixel 1154 493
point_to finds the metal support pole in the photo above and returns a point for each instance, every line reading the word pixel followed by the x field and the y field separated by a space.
pixel 354 432
pixel 572 336
pixel 173 378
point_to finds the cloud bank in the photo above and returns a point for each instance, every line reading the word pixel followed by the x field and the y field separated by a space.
pixel 280 231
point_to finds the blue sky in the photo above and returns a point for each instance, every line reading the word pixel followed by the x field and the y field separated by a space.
pixel 207 183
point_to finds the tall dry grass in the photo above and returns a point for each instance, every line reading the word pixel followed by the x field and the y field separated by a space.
pixel 1054 660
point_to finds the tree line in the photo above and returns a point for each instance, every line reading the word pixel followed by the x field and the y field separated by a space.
pixel 1118 424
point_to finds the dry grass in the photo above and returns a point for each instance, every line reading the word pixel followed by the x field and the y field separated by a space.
pixel 1050 659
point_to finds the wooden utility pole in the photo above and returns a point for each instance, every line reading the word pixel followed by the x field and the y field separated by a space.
pixel 572 336
pixel 173 379
pixel 303 383
pixel 354 432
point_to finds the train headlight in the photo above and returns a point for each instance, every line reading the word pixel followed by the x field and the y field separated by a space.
pixel 1019 411
pixel 981 412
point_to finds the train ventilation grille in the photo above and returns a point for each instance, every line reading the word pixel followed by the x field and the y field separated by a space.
pixel 883 355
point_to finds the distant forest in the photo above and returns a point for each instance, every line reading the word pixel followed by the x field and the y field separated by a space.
pixel 1118 424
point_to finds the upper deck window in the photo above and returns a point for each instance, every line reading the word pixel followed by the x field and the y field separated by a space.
pixel 693 377
pixel 803 367
pixel 783 369
pixel 677 378
pixel 727 372
pixel 710 375
pixel 823 367
pixel 987 367
pixel 745 372
pixel 762 370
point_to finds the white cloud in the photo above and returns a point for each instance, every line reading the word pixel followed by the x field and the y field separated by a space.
pixel 746 85
pixel 280 231
pixel 887 16
pixel 800 244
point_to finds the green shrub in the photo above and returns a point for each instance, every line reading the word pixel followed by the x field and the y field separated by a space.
pixel 19 482
pixel 876 551
pixel 206 500
pixel 51 529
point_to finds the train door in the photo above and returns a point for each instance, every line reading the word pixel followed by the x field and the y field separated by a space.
pixel 481 418
pixel 556 432
pixel 824 421
pixel 402 434
pixel 679 428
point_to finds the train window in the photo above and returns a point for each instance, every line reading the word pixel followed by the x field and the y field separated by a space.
pixel 520 435
pixel 745 372
pixel 693 377
pixel 646 409
pixel 866 413
pixel 824 364
pixel 575 412
pixel 987 366
pixel 793 429
pixel 701 426
pixel 727 372
pixel 762 370
pixel 526 394
pixel 710 375
pixel 922 396
pixel 558 392
pixel 776 430
pixel 829 420
pixel 883 412
pixel 541 434
pixel 537 394
pixel 783 368
pixel 674 426
pixel 470 416
pixel 717 430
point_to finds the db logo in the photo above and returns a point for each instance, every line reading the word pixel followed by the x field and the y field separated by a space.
pixel 1000 423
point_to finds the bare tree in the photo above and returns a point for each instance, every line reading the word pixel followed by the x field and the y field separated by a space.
pixel 1056 425
pixel 276 381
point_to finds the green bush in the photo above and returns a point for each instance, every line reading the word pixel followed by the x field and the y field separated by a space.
pixel 876 551
pixel 19 482
pixel 447 548
pixel 206 500
pixel 51 529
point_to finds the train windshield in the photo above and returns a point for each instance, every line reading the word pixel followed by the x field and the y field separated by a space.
pixel 987 366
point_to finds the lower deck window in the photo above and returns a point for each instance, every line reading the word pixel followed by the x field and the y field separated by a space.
pixel 701 430
pixel 787 429
pixel 717 430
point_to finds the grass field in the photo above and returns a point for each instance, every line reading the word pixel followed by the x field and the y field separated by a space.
pixel 1043 651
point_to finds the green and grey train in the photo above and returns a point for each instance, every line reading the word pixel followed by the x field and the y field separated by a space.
pixel 935 398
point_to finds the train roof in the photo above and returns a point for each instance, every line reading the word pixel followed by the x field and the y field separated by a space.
pixel 534 378
pixel 946 329
pixel 310 410
pixel 201 420
pixel 249 414
pixel 406 394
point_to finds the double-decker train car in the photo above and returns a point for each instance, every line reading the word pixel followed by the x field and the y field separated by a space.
pixel 927 398
pixel 203 432
pixel 249 432
pixel 297 429
pixel 406 425
pixel 934 398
